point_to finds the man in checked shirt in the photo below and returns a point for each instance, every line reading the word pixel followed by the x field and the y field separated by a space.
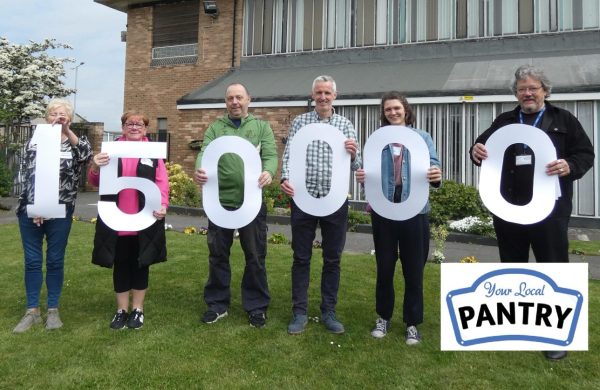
pixel 304 225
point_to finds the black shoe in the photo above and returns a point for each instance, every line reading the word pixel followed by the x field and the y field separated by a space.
pixel 555 355
pixel 257 319
pixel 119 321
pixel 136 319
pixel 212 316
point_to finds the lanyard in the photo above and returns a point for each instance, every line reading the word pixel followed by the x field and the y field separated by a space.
pixel 537 118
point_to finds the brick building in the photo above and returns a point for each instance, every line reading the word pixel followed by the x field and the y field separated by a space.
pixel 453 59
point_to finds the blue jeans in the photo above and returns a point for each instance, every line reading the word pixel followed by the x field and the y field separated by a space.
pixel 57 234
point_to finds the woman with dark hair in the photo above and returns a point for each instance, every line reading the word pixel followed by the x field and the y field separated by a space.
pixel 75 153
pixel 130 254
pixel 410 238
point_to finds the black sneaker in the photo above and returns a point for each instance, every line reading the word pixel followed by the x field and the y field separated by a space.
pixel 257 319
pixel 381 328
pixel 211 316
pixel 136 319
pixel 119 321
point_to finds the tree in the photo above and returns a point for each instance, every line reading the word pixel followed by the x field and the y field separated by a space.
pixel 28 77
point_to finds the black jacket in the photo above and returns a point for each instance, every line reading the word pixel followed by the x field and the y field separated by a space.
pixel 152 240
pixel 571 142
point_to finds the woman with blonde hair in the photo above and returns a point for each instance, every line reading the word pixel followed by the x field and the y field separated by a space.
pixel 75 153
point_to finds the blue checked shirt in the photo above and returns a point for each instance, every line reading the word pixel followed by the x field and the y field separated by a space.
pixel 319 155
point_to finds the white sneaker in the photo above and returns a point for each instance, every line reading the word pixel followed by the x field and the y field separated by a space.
pixel 30 318
pixel 53 320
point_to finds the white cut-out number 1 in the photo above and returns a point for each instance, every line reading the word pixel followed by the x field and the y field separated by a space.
pixel 47 173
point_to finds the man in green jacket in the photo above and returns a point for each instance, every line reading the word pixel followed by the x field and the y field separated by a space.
pixel 253 237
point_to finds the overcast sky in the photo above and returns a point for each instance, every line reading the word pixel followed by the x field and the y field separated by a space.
pixel 94 32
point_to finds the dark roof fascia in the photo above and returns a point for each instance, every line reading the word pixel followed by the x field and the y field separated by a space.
pixel 444 54
pixel 124 5
pixel 377 95
pixel 534 45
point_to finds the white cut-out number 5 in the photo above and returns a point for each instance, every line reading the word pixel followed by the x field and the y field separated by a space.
pixel 112 184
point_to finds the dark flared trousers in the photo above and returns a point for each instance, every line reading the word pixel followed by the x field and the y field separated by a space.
pixel 410 240
pixel 548 239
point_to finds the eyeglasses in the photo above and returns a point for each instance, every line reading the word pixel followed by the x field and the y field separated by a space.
pixel 528 89
pixel 135 125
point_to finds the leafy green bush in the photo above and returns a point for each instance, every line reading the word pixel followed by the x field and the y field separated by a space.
pixel 453 201
pixel 356 217
pixel 182 189
pixel 6 177
pixel 275 198
pixel 278 238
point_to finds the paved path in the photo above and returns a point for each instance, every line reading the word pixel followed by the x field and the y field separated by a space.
pixel 355 242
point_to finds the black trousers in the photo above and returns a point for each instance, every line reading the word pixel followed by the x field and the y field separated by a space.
pixel 409 239
pixel 333 232
pixel 255 288
pixel 548 239
pixel 127 273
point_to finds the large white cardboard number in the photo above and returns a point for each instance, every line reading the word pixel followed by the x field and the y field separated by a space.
pixel 419 164
pixel 545 188
pixel 47 139
pixel 231 219
pixel 340 169
pixel 112 184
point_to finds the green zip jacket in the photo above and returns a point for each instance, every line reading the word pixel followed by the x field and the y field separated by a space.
pixel 231 167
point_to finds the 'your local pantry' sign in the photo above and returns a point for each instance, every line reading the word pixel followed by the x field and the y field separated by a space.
pixel 514 306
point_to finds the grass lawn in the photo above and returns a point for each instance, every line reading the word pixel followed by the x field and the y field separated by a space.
pixel 589 248
pixel 174 350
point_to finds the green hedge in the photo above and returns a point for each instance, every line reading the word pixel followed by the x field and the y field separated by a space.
pixel 6 177
pixel 453 201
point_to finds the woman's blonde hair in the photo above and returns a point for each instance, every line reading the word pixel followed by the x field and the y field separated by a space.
pixel 60 103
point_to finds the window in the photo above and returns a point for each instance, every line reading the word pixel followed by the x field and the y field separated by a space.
pixel 161 125
pixel 286 26
pixel 454 128
pixel 175 33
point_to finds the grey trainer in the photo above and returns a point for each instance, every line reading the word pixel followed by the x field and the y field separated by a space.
pixel 331 323
pixel 381 328
pixel 297 324
pixel 413 336
pixel 53 321
pixel 30 318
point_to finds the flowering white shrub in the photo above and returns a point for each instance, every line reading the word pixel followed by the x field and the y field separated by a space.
pixel 29 76
pixel 437 256
pixel 439 233
pixel 474 225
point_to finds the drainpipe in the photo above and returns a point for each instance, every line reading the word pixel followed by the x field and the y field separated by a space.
pixel 234 28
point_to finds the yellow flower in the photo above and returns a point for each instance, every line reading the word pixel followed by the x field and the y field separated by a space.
pixel 189 230
pixel 469 259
